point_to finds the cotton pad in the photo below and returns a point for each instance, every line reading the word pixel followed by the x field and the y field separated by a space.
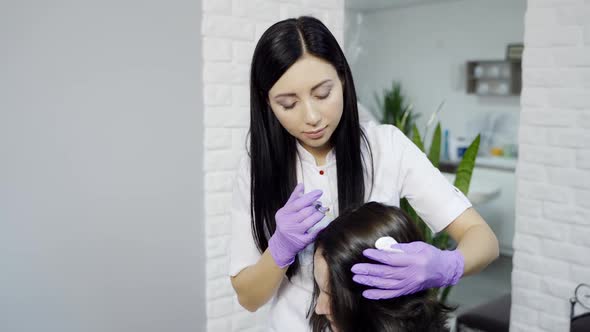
pixel 385 243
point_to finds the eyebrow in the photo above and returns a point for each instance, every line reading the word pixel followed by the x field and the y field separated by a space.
pixel 314 87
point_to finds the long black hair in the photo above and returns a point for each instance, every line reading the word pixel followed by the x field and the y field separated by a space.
pixel 273 151
pixel 341 244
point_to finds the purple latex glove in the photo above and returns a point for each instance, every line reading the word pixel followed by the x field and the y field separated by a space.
pixel 419 267
pixel 293 221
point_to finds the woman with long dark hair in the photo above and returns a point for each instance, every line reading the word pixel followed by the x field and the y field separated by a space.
pixel 308 159
pixel 338 304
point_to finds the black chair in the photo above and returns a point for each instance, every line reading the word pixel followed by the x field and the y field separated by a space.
pixel 580 323
pixel 493 316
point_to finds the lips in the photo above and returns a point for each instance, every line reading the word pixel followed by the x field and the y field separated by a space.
pixel 317 134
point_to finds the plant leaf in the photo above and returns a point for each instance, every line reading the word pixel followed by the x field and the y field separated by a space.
pixel 417 139
pixel 434 154
pixel 465 168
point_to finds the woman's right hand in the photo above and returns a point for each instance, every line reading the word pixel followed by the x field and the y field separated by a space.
pixel 293 221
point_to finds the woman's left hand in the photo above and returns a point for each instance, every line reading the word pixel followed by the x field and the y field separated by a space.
pixel 419 267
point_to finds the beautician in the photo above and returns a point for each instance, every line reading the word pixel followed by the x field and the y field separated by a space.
pixel 308 159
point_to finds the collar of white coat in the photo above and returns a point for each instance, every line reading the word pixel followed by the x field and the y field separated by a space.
pixel 305 156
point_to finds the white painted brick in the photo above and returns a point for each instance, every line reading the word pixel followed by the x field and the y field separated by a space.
pixel 572 56
pixel 580 274
pixel 218 95
pixel 583 159
pixel 584 74
pixel 539 301
pixel 539 229
pixel 217 49
pixel 292 11
pixel 522 326
pixel 226 73
pixel 217 204
pixel 218 325
pixel 556 16
pixel 548 118
pixel 570 137
pixel 228 117
pixel 219 288
pixel 221 160
pixel 565 252
pixel 218 268
pixel 239 136
pixel 217 246
pixel 216 182
pixel 552 36
pixel 219 307
pixel 525 242
pixel 551 156
pixel 330 4
pixel 528 208
pixel 537 57
pixel 552 78
pixel 525 314
pixel 558 288
pixel 218 225
pixel 542 78
pixel 566 213
pixel 584 120
pixel 544 192
pixel 228 27
pixel 243 52
pixel 583 215
pixel 569 98
pixel 264 10
pixel 534 172
pixel 217 6
pixel 217 138
pixel 533 135
pixel 541 265
pixel 524 279
pixel 534 97
pixel 569 177
pixel 551 322
pixel 583 198
pixel 241 94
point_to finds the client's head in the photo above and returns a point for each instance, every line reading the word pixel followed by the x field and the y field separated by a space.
pixel 338 304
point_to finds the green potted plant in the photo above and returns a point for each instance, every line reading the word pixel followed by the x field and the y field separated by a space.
pixel 395 110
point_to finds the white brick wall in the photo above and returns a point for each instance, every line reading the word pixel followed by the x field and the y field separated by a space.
pixel 552 240
pixel 230 31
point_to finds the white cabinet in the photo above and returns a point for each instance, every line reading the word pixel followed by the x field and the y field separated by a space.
pixel 499 212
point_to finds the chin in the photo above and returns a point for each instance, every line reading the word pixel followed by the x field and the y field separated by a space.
pixel 316 144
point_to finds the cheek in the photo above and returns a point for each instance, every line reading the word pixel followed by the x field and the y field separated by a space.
pixel 287 119
pixel 335 106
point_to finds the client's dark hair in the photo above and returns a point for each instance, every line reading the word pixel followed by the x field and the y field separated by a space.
pixel 342 244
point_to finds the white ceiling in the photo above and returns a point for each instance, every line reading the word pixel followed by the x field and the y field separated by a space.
pixel 382 4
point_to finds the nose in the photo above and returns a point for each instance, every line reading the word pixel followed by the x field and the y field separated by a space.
pixel 312 116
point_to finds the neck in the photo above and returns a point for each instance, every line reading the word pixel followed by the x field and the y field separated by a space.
pixel 319 153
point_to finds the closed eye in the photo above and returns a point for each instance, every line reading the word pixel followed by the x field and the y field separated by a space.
pixel 289 107
pixel 324 96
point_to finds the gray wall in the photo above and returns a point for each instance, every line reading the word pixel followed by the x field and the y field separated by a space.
pixel 101 223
